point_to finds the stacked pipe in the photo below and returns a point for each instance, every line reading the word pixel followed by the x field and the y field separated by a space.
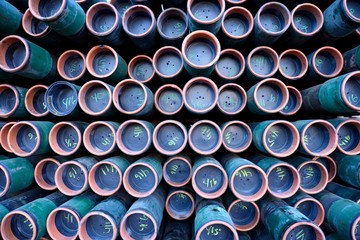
pixel 206 119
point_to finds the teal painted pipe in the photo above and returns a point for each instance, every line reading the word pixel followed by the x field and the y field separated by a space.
pixel 44 172
pixel 134 137
pixel 352 60
pixel 245 215
pixel 65 17
pixel 104 22
pixel 29 221
pixel 348 168
pixel 180 203
pixel 308 206
pixel 71 177
pixel 12 101
pixel 66 138
pixel 275 137
pixel 213 221
pixel 344 192
pixel 63 222
pixel 337 95
pixel 205 15
pixel 348 131
pixel 197 61
pixel 132 97
pixel 16 174
pixel 283 179
pixel 103 62
pixel 339 210
pixel 144 217
pixel 10 19
pixel 103 221
pixel 317 137
pixel 95 98
pixel 283 221
pixel 143 176
pixel 28 138
pixel 26 59
pixel 177 170
pixel 139 23
pixel 11 203
pixel 61 98
pixel 99 137
pixel 209 177
pixel 268 96
pixel 260 232
pixel 341 18
pixel 247 181
pixel 106 176
pixel 121 5
pixel 313 174
pixel 176 229
pixel 5 75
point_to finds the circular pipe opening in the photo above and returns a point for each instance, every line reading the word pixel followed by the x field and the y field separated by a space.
pixel 180 205
pixel 169 99
pixel 47 11
pixel 130 96
pixel 168 62
pixel 273 18
pixel 35 101
pixel 61 98
pixel 71 65
pixel 33 26
pixel 327 62
pixel 201 49
pixel 105 178
pixel 294 103
pixel 141 68
pixel 348 137
pixel 231 64
pixel 307 19
pixel 283 180
pixel 177 171
pixel 271 95
pixel 205 137
pixel 293 64
pixel 350 90
pixel 102 61
pixel 237 23
pixel 329 164
pixel 102 19
pixel 97 225
pixel 65 138
pixel 138 21
pixel 263 62
pixel 15 53
pixel 24 139
pixel 312 209
pixel 170 137
pixel 281 138
pixel 245 215
pixel 132 226
pixel 4 132
pixel 172 24
pixel 133 137
pixel 63 223
pixel 9 100
pixel 18 225
pixel 99 138
pixel 95 98
pixel 319 138
pixel 236 136
pixel 224 230
pixel 44 173
pixel 205 12
pixel 313 177
pixel 232 99
pixel 140 180
pixel 71 178
pixel 209 181
pixel 200 95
